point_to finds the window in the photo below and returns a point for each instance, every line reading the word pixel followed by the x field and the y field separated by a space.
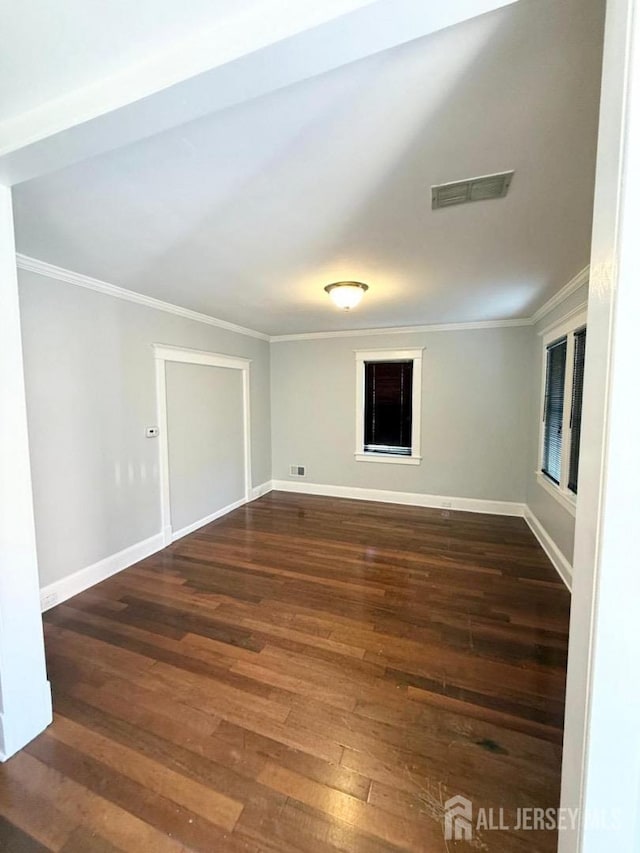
pixel 564 354
pixel 580 339
pixel 554 410
pixel 388 406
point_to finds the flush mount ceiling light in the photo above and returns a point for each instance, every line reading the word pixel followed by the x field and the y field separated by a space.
pixel 346 294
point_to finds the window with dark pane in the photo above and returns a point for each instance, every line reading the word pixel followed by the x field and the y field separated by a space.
pixel 580 339
pixel 388 406
pixel 554 409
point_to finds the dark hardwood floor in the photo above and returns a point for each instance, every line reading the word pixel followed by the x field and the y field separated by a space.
pixel 305 674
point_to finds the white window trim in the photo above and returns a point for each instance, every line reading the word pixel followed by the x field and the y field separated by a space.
pixel 566 328
pixel 414 355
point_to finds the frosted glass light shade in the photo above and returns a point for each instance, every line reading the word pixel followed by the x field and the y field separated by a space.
pixel 346 294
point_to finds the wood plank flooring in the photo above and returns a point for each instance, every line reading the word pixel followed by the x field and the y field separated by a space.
pixel 305 674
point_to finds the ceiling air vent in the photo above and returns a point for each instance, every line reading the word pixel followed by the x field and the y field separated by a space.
pixel 473 189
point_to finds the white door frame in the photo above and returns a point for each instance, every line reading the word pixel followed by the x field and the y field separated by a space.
pixel 601 754
pixel 164 353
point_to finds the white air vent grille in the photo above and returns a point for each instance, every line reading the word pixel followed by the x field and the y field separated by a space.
pixel 296 470
pixel 473 189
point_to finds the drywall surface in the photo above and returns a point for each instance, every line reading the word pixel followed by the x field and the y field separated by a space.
pixel 90 384
pixel 557 521
pixel 205 415
pixel 476 399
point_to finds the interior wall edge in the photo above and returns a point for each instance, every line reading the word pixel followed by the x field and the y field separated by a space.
pixel 460 504
pixel 562 295
pixel 56 273
pixel 65 588
pixel 560 562
pixel 262 489
pixel 456 504
pixel 202 522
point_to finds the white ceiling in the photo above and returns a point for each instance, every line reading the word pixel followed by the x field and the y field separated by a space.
pixel 246 214
pixel 51 49
pixel 162 83
pixel 79 44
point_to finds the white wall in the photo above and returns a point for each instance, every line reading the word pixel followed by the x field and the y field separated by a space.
pixel 475 413
pixel 205 420
pixel 556 520
pixel 91 393
pixel 90 385
pixel 25 695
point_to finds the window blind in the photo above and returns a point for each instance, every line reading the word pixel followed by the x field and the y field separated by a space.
pixel 388 406
pixel 554 409
pixel 580 339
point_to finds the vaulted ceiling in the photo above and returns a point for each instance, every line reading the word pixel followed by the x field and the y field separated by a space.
pixel 246 213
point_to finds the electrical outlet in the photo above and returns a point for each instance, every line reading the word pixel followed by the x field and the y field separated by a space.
pixel 48 600
pixel 296 471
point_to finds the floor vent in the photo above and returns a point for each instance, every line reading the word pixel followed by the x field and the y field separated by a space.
pixel 473 189
pixel 296 470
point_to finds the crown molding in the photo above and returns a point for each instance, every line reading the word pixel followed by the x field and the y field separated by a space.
pixel 558 323
pixel 24 262
pixel 28 264
pixel 397 330
pixel 558 298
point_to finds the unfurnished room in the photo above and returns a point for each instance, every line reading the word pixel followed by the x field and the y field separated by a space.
pixel 318 426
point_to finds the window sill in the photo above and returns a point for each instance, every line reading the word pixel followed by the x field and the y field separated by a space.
pixel 389 458
pixel 564 497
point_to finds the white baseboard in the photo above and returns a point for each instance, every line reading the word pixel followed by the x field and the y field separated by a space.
pixel 560 562
pixel 262 489
pixel 256 492
pixel 190 528
pixel 58 591
pixel 65 588
pixel 407 498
